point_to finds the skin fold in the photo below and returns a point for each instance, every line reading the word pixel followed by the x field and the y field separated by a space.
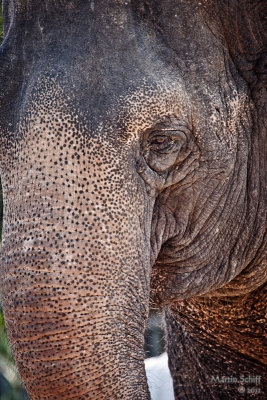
pixel 133 169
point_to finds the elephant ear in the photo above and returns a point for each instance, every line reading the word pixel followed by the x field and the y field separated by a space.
pixel 209 238
pixel 244 28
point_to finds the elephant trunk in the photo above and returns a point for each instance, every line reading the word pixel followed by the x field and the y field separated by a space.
pixel 75 286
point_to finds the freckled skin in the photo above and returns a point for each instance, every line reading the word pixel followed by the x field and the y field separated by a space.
pixel 132 167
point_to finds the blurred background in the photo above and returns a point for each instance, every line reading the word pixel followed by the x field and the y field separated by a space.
pixel 11 387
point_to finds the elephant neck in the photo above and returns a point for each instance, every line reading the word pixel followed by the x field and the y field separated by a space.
pixel 215 346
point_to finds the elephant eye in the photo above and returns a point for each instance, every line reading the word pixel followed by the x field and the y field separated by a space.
pixel 165 141
pixel 160 143
pixel 164 146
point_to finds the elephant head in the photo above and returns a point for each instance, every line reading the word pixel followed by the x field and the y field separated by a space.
pixel 132 165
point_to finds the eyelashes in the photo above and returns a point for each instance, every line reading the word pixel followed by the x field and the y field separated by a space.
pixel 165 140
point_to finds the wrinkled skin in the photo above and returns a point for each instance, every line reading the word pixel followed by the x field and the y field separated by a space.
pixel 132 164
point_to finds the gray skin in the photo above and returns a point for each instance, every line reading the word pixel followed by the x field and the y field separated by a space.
pixel 132 163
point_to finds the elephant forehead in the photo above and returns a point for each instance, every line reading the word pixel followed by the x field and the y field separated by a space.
pixel 62 109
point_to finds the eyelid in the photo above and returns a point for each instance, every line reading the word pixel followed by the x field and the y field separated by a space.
pixel 173 134
pixel 179 135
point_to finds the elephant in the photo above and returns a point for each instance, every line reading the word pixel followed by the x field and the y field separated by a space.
pixel 133 170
